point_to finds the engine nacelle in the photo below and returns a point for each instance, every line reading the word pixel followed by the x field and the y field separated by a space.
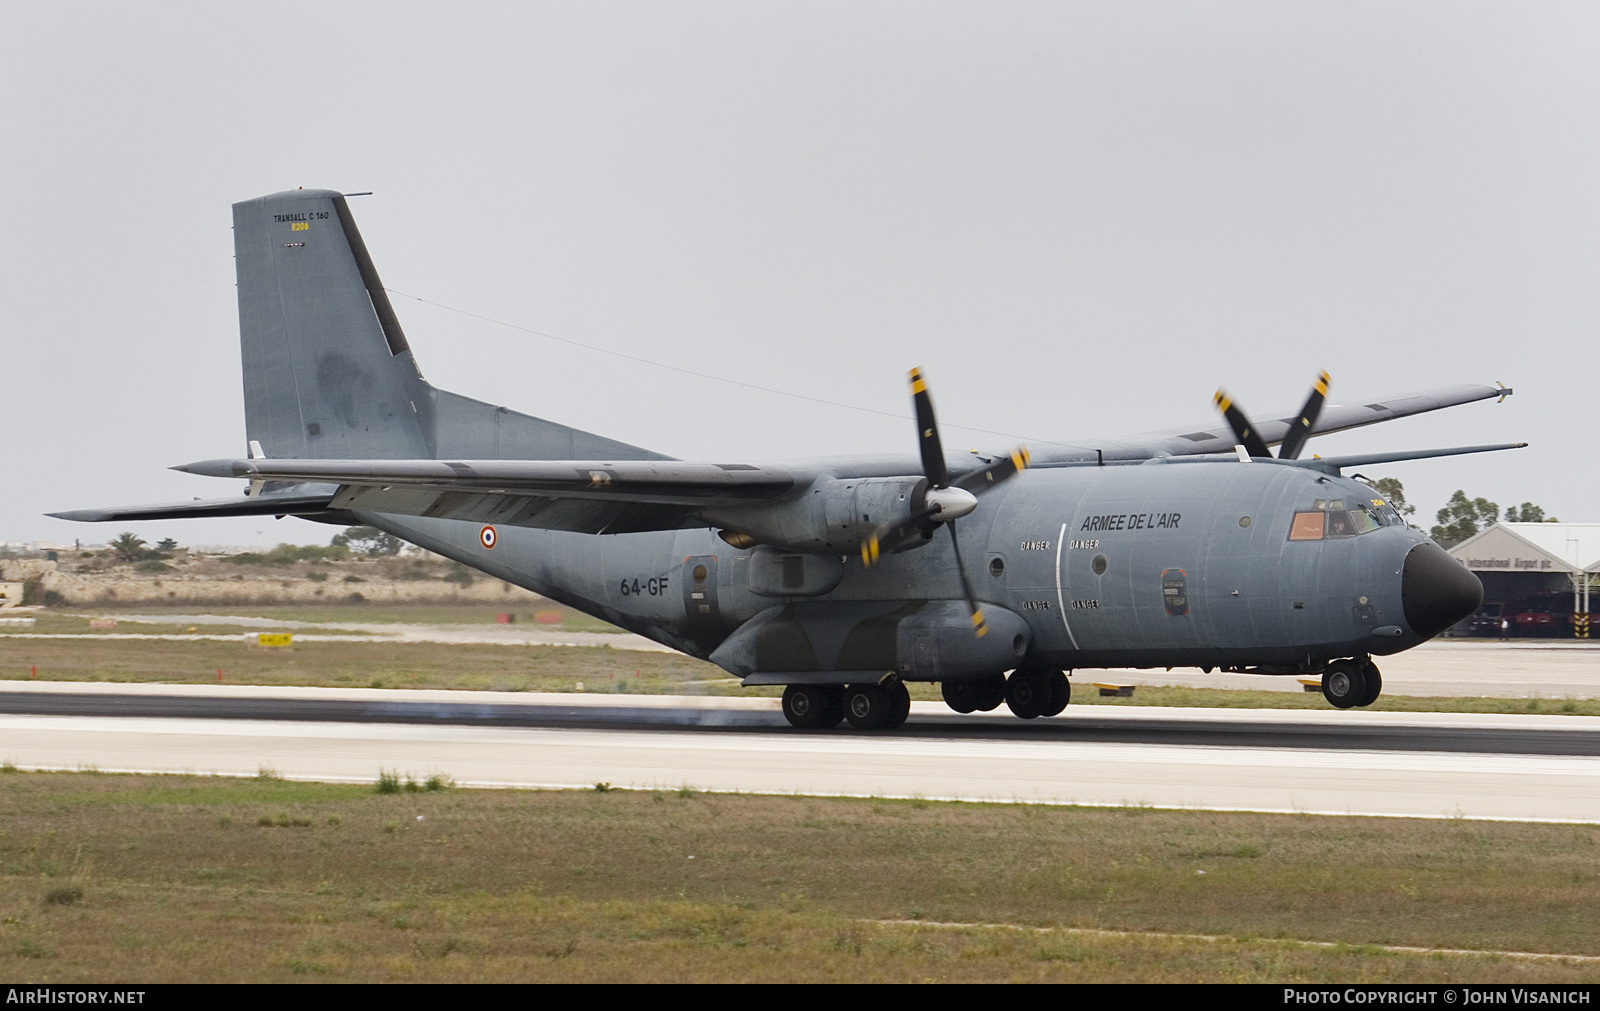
pixel 833 516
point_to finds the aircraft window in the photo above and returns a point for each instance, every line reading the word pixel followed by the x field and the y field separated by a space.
pixel 1336 505
pixel 1364 519
pixel 1339 524
pixel 1098 566
pixel 1307 526
pixel 1387 514
pixel 1320 504
pixel 1244 521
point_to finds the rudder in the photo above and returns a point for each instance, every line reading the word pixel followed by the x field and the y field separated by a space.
pixel 328 372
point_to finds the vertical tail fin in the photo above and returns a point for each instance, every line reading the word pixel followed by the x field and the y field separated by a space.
pixel 327 369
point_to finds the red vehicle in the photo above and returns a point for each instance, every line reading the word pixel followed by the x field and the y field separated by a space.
pixel 1545 616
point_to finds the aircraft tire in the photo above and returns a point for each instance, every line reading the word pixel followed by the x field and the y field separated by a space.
pixel 962 696
pixel 869 707
pixel 991 691
pixel 900 697
pixel 1344 684
pixel 1060 692
pixel 1028 694
pixel 810 707
pixel 1374 685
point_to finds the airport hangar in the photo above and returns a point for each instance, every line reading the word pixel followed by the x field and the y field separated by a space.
pixel 1523 564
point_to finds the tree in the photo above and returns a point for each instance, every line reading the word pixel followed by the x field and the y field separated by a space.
pixel 1392 490
pixel 368 541
pixel 129 547
pixel 166 544
pixel 1528 513
pixel 1462 517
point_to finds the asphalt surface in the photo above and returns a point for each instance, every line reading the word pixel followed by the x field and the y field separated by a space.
pixel 1256 729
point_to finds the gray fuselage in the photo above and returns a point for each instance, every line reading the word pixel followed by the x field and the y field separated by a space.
pixel 1161 564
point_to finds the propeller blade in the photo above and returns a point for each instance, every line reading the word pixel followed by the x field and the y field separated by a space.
pixel 980 481
pixel 979 627
pixel 933 465
pixel 1241 426
pixel 892 534
pixel 1300 429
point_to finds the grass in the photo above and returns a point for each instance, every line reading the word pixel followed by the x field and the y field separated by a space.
pixel 367 664
pixel 413 614
pixel 493 667
pixel 179 878
pixel 561 668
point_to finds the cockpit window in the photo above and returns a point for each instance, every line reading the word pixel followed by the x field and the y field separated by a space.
pixel 1329 518
pixel 1307 526
pixel 1364 520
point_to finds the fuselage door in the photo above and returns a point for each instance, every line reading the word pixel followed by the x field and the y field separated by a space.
pixel 700 598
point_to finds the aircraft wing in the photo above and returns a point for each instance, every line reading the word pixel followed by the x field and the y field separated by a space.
pixel 1221 439
pixel 622 496
pixel 305 504
pixel 1334 418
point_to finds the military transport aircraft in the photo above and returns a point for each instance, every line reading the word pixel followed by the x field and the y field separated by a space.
pixel 840 579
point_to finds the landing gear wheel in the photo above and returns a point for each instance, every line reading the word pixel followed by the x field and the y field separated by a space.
pixel 811 707
pixel 876 707
pixel 1028 694
pixel 901 697
pixel 1060 692
pixel 991 691
pixel 1344 684
pixel 1374 685
pixel 962 696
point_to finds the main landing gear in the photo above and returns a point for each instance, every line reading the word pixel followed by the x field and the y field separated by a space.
pixel 884 706
pixel 867 707
pixel 1029 693
pixel 1347 684
pixel 1034 693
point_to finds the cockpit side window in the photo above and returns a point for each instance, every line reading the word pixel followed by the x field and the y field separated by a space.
pixel 1307 526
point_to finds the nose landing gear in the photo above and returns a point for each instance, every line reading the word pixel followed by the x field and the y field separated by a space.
pixel 1348 684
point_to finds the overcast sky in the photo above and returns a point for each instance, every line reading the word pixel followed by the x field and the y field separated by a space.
pixel 1080 219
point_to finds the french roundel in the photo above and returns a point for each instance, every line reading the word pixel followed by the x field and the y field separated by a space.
pixel 487 537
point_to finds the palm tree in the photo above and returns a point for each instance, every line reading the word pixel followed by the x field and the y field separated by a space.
pixel 129 547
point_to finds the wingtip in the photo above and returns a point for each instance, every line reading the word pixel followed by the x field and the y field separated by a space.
pixel 208 468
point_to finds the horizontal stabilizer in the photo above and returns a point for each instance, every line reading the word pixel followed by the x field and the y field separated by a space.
pixel 240 505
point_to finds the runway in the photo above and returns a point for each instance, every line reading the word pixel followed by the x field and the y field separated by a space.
pixel 1539 768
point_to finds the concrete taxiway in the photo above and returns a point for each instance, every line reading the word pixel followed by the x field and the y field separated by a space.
pixel 1543 768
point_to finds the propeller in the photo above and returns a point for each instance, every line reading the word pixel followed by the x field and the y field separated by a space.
pixel 943 501
pixel 1299 429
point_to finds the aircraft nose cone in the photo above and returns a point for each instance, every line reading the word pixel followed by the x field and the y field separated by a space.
pixel 1436 590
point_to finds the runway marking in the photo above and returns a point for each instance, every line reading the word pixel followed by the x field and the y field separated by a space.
pixel 1532 956
pixel 1529 788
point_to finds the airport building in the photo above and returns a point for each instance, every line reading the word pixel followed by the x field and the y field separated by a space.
pixel 1537 578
